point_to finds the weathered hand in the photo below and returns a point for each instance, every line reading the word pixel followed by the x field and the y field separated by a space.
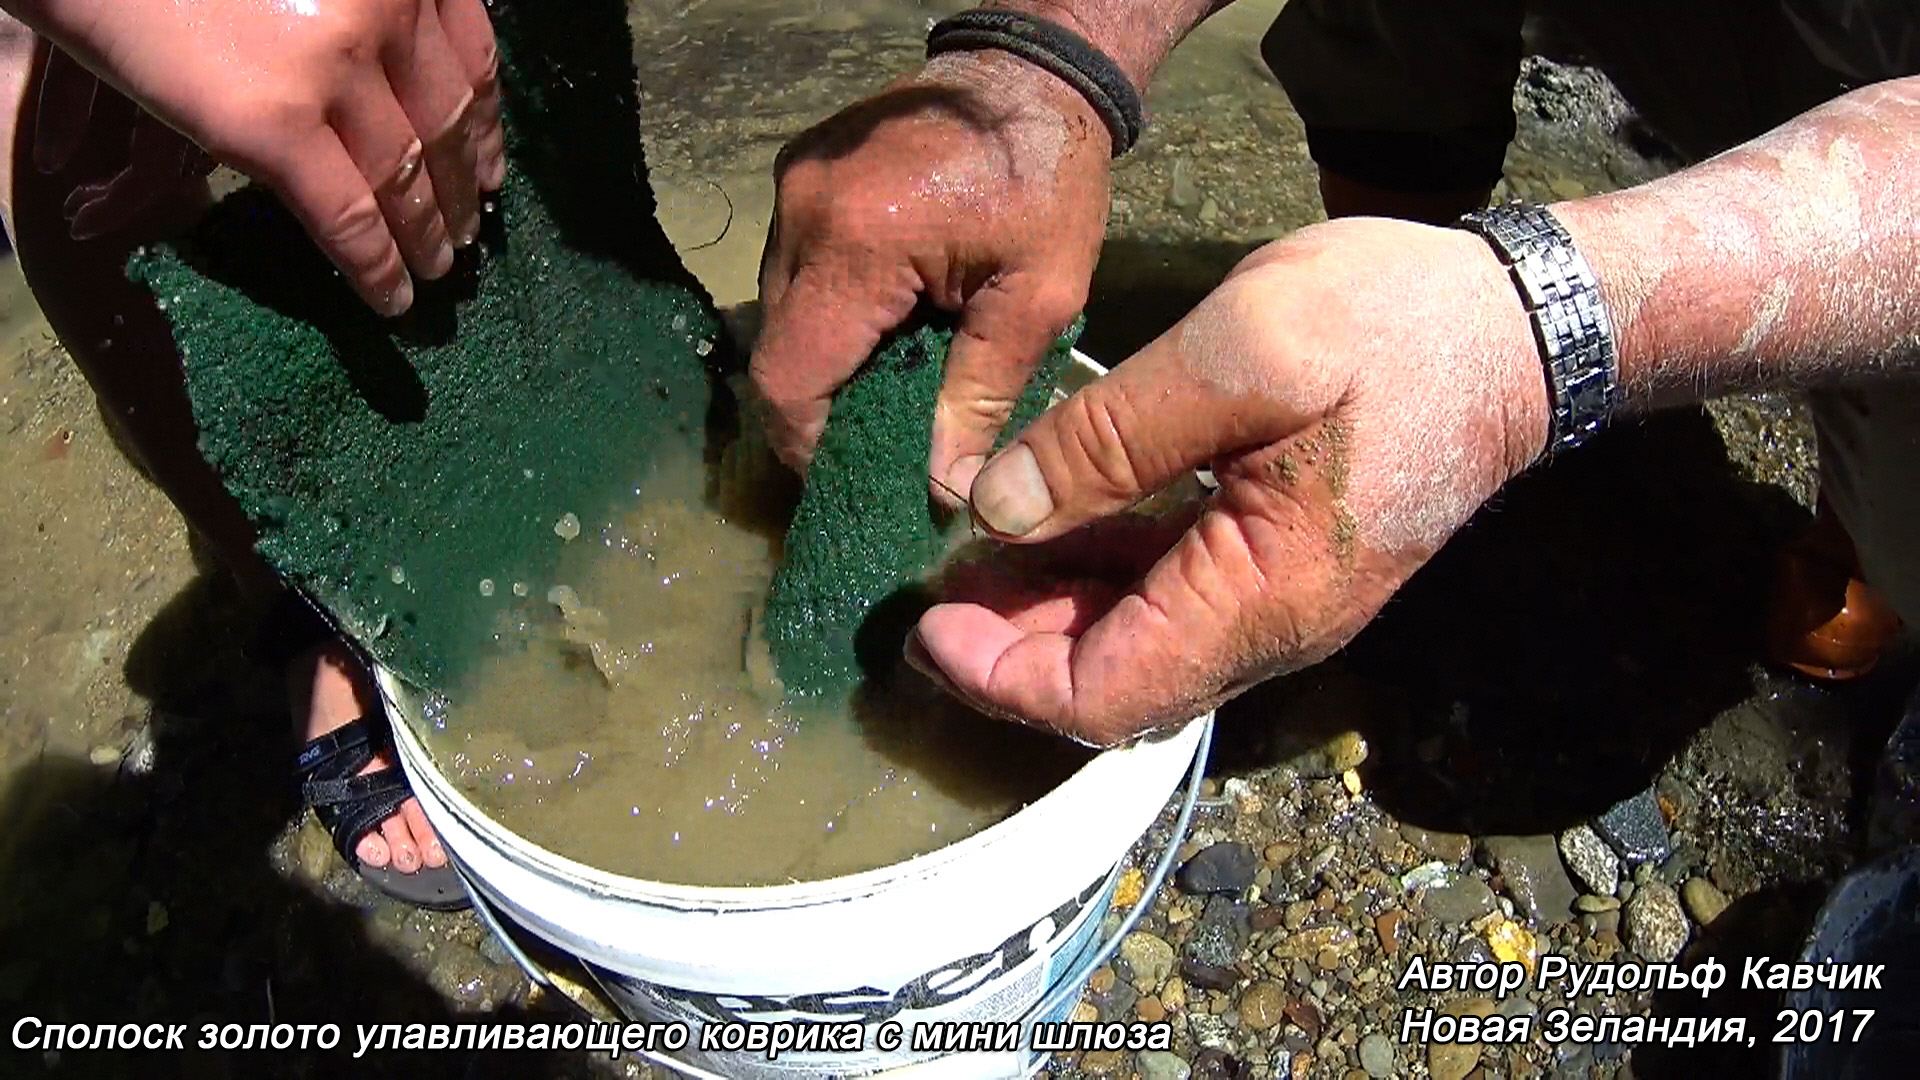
pixel 979 183
pixel 377 121
pixel 1358 388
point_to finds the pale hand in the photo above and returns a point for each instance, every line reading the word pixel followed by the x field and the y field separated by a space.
pixel 376 121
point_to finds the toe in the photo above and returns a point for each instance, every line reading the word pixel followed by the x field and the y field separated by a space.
pixel 431 854
pixel 373 850
pixel 406 857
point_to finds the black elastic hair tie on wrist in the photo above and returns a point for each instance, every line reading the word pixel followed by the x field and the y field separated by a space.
pixel 1057 49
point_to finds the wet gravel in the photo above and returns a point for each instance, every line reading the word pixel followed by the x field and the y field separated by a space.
pixel 1557 741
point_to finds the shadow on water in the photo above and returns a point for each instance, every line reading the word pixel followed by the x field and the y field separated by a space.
pixel 152 894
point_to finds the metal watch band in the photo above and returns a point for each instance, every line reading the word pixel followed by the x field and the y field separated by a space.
pixel 1570 322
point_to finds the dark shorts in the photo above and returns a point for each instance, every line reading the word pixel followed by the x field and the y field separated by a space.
pixel 1417 94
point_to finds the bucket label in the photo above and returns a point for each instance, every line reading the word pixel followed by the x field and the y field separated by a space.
pixel 1001 983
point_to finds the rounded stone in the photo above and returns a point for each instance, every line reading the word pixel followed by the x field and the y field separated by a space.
pixel 1376 1055
pixel 1704 902
pixel 1458 901
pixel 1452 1061
pixel 1162 1065
pixel 1590 860
pixel 1221 868
pixel 1656 927
pixel 1149 958
pixel 1263 1005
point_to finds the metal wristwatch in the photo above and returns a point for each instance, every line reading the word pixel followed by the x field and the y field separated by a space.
pixel 1570 322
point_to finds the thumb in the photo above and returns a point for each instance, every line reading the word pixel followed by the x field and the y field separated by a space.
pixel 1120 439
pixel 1005 329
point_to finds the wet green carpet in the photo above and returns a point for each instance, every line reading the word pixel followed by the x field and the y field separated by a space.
pixel 395 468
pixel 866 531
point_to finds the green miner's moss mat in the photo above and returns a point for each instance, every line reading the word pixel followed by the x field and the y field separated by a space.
pixel 865 532
pixel 400 471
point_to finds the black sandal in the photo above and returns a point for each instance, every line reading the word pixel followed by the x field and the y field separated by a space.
pixel 348 804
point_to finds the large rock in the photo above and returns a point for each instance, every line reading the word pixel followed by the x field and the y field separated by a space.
pixel 1535 878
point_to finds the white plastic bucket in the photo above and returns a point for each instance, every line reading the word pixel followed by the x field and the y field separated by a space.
pixel 981 931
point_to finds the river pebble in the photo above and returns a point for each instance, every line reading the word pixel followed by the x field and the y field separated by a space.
pixel 1263 1005
pixel 1635 829
pixel 1222 868
pixel 1452 1061
pixel 1445 846
pixel 1703 901
pixel 1534 876
pixel 1656 927
pixel 1376 1055
pixel 1461 900
pixel 1162 1065
pixel 1590 860
pixel 1149 957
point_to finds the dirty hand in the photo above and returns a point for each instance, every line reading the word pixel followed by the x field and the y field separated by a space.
pixel 376 121
pixel 1358 388
pixel 979 183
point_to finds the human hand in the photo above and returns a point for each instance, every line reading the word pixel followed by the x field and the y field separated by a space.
pixel 1358 388
pixel 980 183
pixel 376 121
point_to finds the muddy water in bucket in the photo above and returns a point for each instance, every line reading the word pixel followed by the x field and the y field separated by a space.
pixel 629 718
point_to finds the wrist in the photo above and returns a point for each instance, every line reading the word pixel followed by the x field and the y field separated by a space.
pixel 1137 37
pixel 1523 402
pixel 1609 251
pixel 1087 20
pixel 1018 87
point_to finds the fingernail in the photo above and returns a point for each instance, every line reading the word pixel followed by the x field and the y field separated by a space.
pixel 1010 495
pixel 442 261
pixel 914 652
pixel 399 300
pixel 469 230
pixel 962 474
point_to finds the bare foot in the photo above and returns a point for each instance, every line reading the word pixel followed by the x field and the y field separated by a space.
pixel 326 687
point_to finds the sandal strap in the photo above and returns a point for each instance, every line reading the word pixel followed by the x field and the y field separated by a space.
pixel 355 806
pixel 341 752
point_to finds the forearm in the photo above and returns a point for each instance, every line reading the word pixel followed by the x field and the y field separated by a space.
pixel 1792 260
pixel 1136 34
